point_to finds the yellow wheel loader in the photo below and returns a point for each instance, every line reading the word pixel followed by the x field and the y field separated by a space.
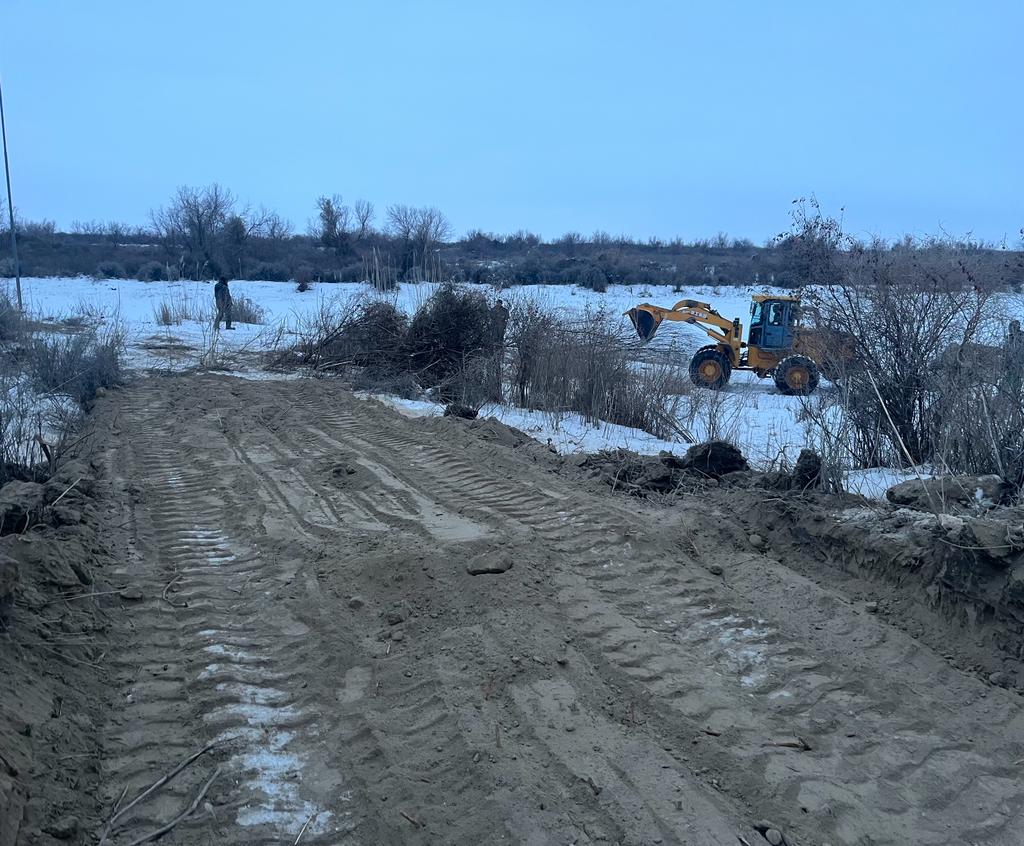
pixel 776 345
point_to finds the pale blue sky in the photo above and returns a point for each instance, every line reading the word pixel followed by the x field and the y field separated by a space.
pixel 644 117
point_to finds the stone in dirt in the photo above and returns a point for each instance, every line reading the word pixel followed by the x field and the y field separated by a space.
pixel 774 836
pixel 999 538
pixel 65 515
pixel 756 540
pixel 63 829
pixel 489 564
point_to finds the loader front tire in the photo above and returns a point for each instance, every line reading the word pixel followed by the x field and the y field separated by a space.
pixel 797 376
pixel 710 368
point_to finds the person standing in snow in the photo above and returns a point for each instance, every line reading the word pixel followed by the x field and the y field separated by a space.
pixel 499 325
pixel 222 298
pixel 1014 357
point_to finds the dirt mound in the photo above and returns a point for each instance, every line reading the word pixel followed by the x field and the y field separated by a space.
pixel 948 494
pixel 56 636
pixel 703 466
pixel 713 458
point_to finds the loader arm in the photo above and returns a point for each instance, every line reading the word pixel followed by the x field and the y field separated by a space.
pixel 647 318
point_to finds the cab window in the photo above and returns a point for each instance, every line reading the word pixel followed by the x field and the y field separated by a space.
pixel 775 312
pixel 755 314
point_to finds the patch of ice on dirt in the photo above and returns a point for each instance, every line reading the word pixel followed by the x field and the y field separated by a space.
pixel 236 654
pixel 742 645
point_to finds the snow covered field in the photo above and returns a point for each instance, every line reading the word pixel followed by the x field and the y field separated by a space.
pixel 767 426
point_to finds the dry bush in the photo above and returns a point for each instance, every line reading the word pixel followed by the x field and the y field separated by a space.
pixel 26 423
pixel 583 366
pixel 151 271
pixel 933 377
pixel 181 304
pixel 357 331
pixel 246 310
pixel 978 422
pixel 448 331
pixel 76 365
pixel 13 326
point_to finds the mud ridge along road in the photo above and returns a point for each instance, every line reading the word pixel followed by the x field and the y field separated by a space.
pixel 624 676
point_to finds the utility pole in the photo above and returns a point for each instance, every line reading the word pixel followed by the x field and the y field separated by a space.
pixel 10 201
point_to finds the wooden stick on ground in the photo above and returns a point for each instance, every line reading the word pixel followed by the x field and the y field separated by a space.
pixel 411 819
pixel 171 602
pixel 66 492
pixel 156 785
pixel 191 809
pixel 302 830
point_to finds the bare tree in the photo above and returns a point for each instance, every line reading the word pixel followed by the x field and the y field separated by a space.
pixel 420 232
pixel 272 226
pixel 193 223
pixel 332 223
pixel 364 213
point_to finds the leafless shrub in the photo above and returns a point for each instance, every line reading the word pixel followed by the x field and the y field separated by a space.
pixel 246 310
pixel 76 365
pixel 583 366
pixel 34 430
pixel 181 304
pixel 151 271
pixel 356 332
pixel 979 409
pixel 110 270
pixel 928 373
pixel 12 321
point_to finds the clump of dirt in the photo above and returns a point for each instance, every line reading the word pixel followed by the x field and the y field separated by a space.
pixel 465 412
pixel 951 494
pixel 54 639
pixel 349 474
pixel 703 465
pixel 714 459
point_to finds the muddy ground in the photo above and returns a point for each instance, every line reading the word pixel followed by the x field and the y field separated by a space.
pixel 287 573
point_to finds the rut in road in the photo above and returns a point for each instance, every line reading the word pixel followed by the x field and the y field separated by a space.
pixel 302 557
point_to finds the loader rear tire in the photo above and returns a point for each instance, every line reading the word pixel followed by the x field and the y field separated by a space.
pixel 710 368
pixel 797 376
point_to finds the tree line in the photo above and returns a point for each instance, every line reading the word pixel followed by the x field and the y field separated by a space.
pixel 201 233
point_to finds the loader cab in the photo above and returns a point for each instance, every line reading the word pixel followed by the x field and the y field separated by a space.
pixel 771 323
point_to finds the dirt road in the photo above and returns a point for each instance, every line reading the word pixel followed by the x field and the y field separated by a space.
pixel 632 678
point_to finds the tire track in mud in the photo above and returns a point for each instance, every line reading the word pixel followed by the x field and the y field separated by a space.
pixel 891 777
pixel 233 677
pixel 239 660
pixel 756 656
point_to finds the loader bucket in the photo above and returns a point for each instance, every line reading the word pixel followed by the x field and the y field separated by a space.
pixel 645 322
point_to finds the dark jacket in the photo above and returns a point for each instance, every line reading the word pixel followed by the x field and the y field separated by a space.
pixel 221 294
pixel 499 323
